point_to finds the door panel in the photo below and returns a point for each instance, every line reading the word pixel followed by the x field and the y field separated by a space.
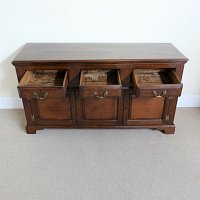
pixel 93 111
pixel 53 111
pixel 54 108
pixel 141 111
pixel 146 107
pixel 100 109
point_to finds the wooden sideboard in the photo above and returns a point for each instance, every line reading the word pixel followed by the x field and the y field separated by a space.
pixel 99 85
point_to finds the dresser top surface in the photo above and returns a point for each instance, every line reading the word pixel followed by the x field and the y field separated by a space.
pixel 74 52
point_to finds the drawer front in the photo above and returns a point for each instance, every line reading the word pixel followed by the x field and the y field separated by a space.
pixel 163 92
pixel 100 93
pixel 100 83
pixel 156 83
pixel 31 93
pixel 43 86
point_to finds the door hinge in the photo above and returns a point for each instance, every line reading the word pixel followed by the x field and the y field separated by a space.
pixel 167 118
pixel 33 118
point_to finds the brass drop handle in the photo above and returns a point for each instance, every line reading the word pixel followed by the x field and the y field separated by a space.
pixel 100 95
pixel 158 94
pixel 41 95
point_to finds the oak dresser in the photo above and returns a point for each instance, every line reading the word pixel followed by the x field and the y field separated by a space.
pixel 77 85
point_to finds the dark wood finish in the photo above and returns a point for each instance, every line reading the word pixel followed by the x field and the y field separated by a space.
pixel 52 111
pixel 99 85
pixel 98 88
pixel 156 82
pixel 43 84
pixel 102 52
pixel 93 111
pixel 146 107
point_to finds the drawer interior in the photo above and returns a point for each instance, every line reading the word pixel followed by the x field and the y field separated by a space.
pixel 99 77
pixel 155 77
pixel 44 78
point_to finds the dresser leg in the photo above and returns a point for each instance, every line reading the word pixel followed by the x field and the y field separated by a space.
pixel 30 129
pixel 169 130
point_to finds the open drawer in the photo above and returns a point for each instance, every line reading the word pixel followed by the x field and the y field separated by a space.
pixel 156 82
pixel 41 84
pixel 100 83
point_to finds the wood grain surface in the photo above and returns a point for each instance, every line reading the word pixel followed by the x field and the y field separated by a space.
pixel 99 51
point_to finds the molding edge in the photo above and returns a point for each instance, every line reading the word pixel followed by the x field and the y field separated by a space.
pixel 16 103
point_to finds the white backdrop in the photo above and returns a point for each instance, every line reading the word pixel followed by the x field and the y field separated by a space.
pixel 173 21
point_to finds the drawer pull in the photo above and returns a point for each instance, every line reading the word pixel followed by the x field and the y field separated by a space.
pixel 41 95
pixel 159 95
pixel 100 95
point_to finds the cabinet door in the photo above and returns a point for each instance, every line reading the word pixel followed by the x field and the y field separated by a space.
pixel 153 98
pixel 99 99
pixel 142 110
pixel 52 111
pixel 93 111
